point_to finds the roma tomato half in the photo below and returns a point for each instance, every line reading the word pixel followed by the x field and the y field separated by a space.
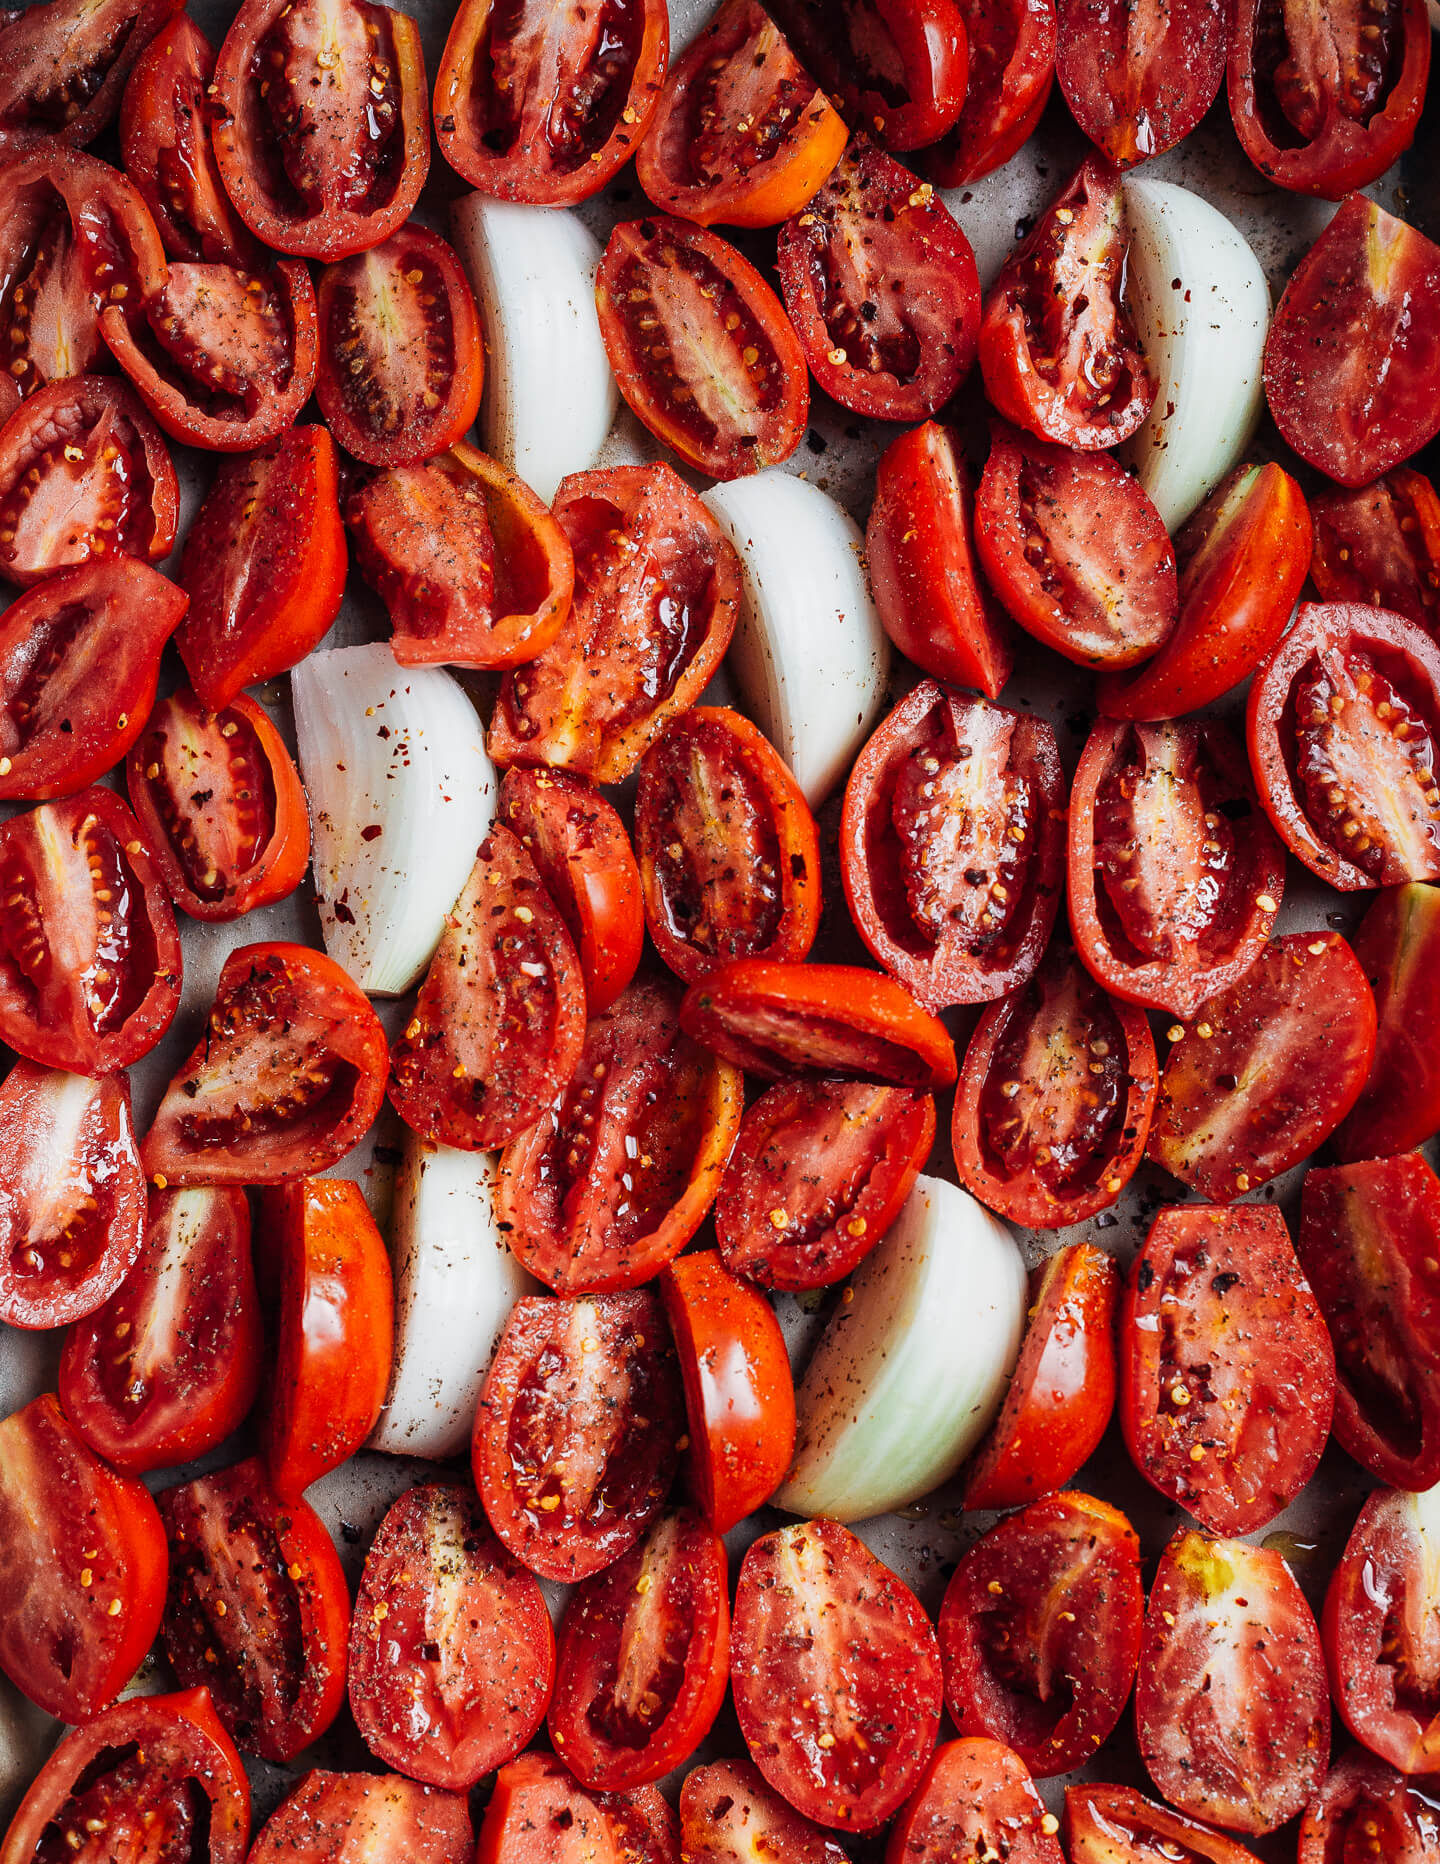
pixel 540 1814
pixel 346 1816
pixel 1364 1806
pixel 65 65
pixel 1139 80
pixel 728 1815
pixel 1117 1825
pixel 1397 945
pixel 1012 68
pixel 1380 545
pixel 976 1799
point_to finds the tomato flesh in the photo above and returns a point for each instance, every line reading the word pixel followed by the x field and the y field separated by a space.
pixel 1399 1106
pixel 65 64
pixel 1012 68
pixel 1101 1819
pixel 1366 1811
pixel 1381 545
pixel 1138 82
pixel 347 1815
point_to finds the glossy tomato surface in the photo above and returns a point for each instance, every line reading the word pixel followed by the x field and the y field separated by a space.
pixel 1117 1825
pixel 977 1796
pixel 65 64
pixel 1399 1105
pixel 728 1814
pixel 539 1813
pixel 1380 544
pixel 1139 79
pixel 1365 1805
pixel 1012 68
pixel 345 1816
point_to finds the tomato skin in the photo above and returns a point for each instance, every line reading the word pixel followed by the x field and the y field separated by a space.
pixel 344 1817
pixel 182 1741
pixel 1399 1105
pixel 728 849
pixel 739 1395
pixel 729 1814
pixel 1381 545
pixel 1362 1801
pixel 540 1814
pixel 78 1539
pixel 1137 85
pixel 1061 1395
pixel 526 155
pixel 624 1643
pixel 1232 1713
pixel 436 1580
pixel 1242 560
pixel 1245 1365
pixel 974 1792
pixel 818 1616
pixel 872 237
pixel 48 88
pixel 1012 69
pixel 1099 1820
pixel 1368 1233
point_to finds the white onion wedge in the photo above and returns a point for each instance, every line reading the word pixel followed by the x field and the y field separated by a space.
pixel 1202 308
pixel 809 652
pixel 911 1370
pixel 549 394
pixel 400 750
pixel 455 1284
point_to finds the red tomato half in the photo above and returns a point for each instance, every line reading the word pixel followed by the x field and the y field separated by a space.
pixel 1352 361
pixel 65 64
pixel 1058 1403
pixel 258 1611
pixel 728 1815
pixel 1223 1350
pixel 1040 1630
pixel 1369 1239
pixel 89 954
pixel 729 854
pixel 1381 545
pixel 1058 351
pixel 644 1658
pixel 1231 1709
pixel 348 1818
pixel 835 1673
pixel 952 843
pixel 171 1364
pixel 578 1430
pixel 287 1077
pixel 607 1187
pixel 73 1213
pixel 1012 67
pixel 321 175
pixel 540 1814
pixel 1055 1098
pixel 1268 1068
pixel 977 1800
pixel 1139 79
pixel 104 482
pixel 1175 875
pixel 1398 947
pixel 1116 1825
pixel 451 1652
pixel 264 565
pixel 880 284
pixel 1365 1809
pixel 82 1567
pixel 539 104
pixel 151 1771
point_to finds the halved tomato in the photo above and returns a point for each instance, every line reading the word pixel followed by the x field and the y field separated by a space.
pixel 976 1800
pixel 701 347
pixel 952 844
pixel 346 1817
pixel 321 166
pixel 880 284
pixel 1139 80
pixel 64 64
pixel 1365 1811
pixel 1227 1374
pixel 1381 545
pixel 543 104
pixel 606 1188
pixel 540 1814
pixel 1397 945
pixel 728 1815
pixel 1012 67
pixel 451 1652
pixel 287 1077
pixel 1117 1825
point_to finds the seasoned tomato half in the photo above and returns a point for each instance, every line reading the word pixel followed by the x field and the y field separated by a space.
pixel 1381 544
pixel 729 1814
pixel 1397 945
pixel 65 64
pixel 1139 79
pixel 1012 68
pixel 976 1799
pixel 1117 1825
pixel 1366 1810
pixel 345 1816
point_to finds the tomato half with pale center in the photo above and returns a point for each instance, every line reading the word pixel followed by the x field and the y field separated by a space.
pixel 348 1816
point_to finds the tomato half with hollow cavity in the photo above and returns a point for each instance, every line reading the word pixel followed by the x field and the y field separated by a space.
pixel 171 1364
pixel 1380 545
pixel 540 1814
pixel 401 363
pixel 1058 351
pixel 976 1799
pixel 451 1652
pixel 1139 80
pixel 325 1280
pixel 469 562
pixel 819 1172
pixel 656 595
pixel 880 284
pixel 1352 361
pixel 835 1673
pixel 728 1814
pixel 1012 69
pixel 1075 550
pixel 577 1434
pixel 1398 947
pixel 952 845
pixel 701 347
pixel 65 64
pixel 1326 98
pixel 739 1395
pixel 219 803
pixel 1232 1712
pixel 84 475
pixel 1224 1351
pixel 742 134
pixel 82 1566
pixel 257 1610
pixel 1344 728
pixel 1056 1093
pixel 1366 1811
pixel 644 1658
pixel 347 1817
pixel 1175 875
pixel 1369 1239
pixel 321 166
pixel 545 105
pixel 1117 1825
pixel 89 954
pixel 264 565
pixel 728 850
pixel 499 1023
pixel 73 1215
pixel 1060 1397
pixel 1040 1630
pixel 1267 1069
pixel 583 857
pixel 1241 560
pixel 287 1077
